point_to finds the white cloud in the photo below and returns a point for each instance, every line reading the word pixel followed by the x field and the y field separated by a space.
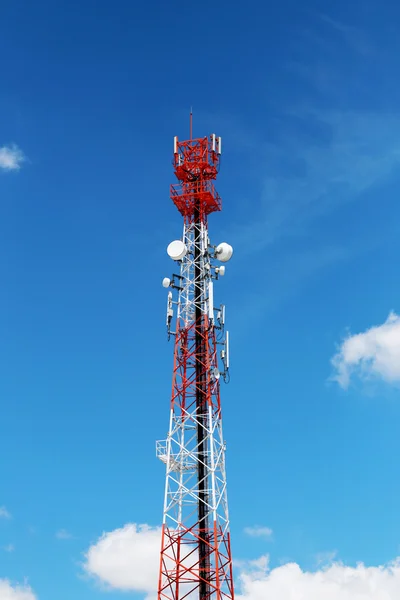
pixel 11 158
pixel 17 592
pixel 9 548
pixel 4 514
pixel 335 582
pixel 373 353
pixel 63 534
pixel 257 531
pixel 128 558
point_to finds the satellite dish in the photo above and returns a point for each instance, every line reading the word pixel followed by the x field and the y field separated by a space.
pixel 216 373
pixel 176 250
pixel 224 252
pixel 220 270
pixel 166 282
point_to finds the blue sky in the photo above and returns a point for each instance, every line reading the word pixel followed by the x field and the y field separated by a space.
pixel 306 97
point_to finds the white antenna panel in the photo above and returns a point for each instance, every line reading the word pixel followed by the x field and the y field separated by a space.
pixel 220 270
pixel 176 250
pixel 227 350
pixel 224 252
pixel 211 301
pixel 170 310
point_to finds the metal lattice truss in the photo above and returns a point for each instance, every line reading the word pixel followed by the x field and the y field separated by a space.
pixel 194 289
pixel 185 457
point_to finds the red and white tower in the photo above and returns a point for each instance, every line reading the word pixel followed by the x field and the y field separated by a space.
pixel 196 559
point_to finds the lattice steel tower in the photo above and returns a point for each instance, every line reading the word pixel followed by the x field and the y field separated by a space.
pixel 196 557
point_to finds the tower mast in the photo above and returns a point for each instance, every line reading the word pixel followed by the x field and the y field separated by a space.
pixel 195 550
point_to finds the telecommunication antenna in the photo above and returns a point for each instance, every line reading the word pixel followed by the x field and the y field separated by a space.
pixel 196 559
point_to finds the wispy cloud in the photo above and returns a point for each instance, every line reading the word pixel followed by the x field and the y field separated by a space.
pixel 255 567
pixel 324 559
pixel 308 176
pixel 4 513
pixel 372 353
pixel 315 158
pixel 9 548
pixel 322 164
pixel 11 158
pixel 354 36
pixel 63 534
pixel 257 531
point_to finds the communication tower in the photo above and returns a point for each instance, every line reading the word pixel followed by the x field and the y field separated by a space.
pixel 196 559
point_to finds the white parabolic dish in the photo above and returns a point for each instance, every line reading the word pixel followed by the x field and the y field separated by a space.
pixel 224 252
pixel 176 250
